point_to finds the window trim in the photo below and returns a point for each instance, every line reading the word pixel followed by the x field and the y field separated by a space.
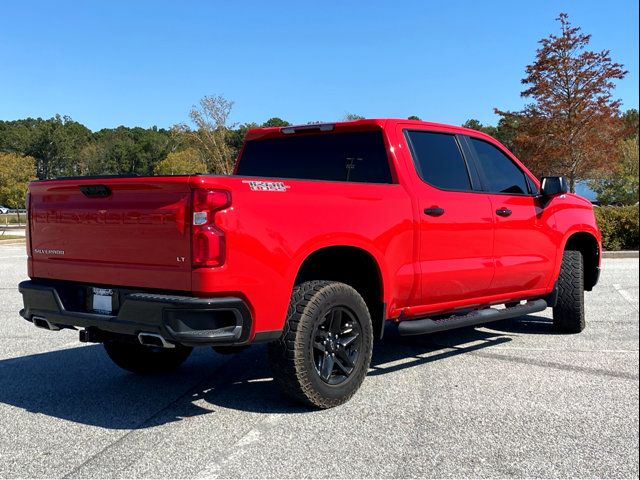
pixel 482 174
pixel 472 165
pixel 533 189
pixel 285 179
pixel 474 182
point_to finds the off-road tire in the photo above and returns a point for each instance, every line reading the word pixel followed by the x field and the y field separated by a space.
pixel 568 314
pixel 291 356
pixel 145 360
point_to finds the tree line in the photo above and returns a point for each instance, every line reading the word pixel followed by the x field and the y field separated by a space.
pixel 40 149
pixel 571 126
pixel 61 146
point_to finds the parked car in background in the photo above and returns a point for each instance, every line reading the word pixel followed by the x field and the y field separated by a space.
pixel 4 209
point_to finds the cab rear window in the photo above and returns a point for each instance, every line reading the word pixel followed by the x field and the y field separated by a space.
pixel 340 157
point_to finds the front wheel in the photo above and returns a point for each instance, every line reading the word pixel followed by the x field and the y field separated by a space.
pixel 325 349
pixel 568 314
pixel 145 360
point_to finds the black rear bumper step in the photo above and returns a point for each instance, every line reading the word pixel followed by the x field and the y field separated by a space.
pixel 477 317
pixel 191 321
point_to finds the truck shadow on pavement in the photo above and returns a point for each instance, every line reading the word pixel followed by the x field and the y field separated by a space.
pixel 81 385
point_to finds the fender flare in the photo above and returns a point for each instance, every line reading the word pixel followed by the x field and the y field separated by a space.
pixel 575 229
pixel 354 241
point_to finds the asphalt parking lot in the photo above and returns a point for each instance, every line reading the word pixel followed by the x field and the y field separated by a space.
pixel 513 399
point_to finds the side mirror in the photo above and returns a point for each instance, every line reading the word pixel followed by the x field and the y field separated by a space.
pixel 551 186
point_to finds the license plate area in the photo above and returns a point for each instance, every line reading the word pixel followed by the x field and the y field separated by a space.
pixel 101 300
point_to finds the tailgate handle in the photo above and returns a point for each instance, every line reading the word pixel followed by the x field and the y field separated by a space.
pixel 95 191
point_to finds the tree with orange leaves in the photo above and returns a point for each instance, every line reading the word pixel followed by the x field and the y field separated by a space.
pixel 573 125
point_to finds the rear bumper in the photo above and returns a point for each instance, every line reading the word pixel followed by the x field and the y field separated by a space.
pixel 191 321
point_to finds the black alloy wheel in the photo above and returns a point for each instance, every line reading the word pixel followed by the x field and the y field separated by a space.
pixel 325 349
pixel 337 342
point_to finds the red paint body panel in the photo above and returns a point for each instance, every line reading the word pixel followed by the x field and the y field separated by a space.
pixel 573 214
pixel 131 238
pixel 140 236
pixel 263 256
pixel 524 251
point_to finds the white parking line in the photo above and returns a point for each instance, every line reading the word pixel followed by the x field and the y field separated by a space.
pixel 253 435
pixel 626 295
pixel 564 350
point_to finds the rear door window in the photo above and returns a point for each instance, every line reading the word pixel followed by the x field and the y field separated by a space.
pixel 438 160
pixel 341 157
pixel 501 175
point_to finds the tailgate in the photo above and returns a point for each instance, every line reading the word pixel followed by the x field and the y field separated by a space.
pixel 115 231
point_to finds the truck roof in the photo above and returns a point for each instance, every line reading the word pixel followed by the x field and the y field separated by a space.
pixel 354 125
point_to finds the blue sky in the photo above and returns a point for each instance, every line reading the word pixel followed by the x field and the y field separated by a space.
pixel 144 63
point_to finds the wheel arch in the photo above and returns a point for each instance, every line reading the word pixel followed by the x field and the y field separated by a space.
pixel 354 266
pixel 587 244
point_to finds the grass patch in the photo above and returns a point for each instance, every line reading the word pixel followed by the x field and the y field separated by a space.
pixel 11 237
pixel 12 218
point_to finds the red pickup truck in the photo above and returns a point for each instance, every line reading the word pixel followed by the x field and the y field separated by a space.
pixel 323 234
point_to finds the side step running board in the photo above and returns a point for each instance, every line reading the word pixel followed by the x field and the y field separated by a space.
pixel 477 317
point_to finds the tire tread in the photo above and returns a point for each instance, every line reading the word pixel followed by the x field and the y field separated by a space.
pixel 286 355
pixel 568 314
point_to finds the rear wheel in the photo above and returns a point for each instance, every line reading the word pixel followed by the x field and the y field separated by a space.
pixel 145 360
pixel 325 350
pixel 568 314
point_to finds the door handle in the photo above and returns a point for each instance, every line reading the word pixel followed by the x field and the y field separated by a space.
pixel 434 211
pixel 504 212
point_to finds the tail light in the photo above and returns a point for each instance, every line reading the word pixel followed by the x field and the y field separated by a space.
pixel 208 242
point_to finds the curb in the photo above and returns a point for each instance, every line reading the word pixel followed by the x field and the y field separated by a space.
pixel 620 254
pixel 12 241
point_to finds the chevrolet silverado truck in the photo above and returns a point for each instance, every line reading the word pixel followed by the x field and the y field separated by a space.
pixel 323 234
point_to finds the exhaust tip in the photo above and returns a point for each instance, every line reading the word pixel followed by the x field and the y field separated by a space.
pixel 43 323
pixel 153 340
